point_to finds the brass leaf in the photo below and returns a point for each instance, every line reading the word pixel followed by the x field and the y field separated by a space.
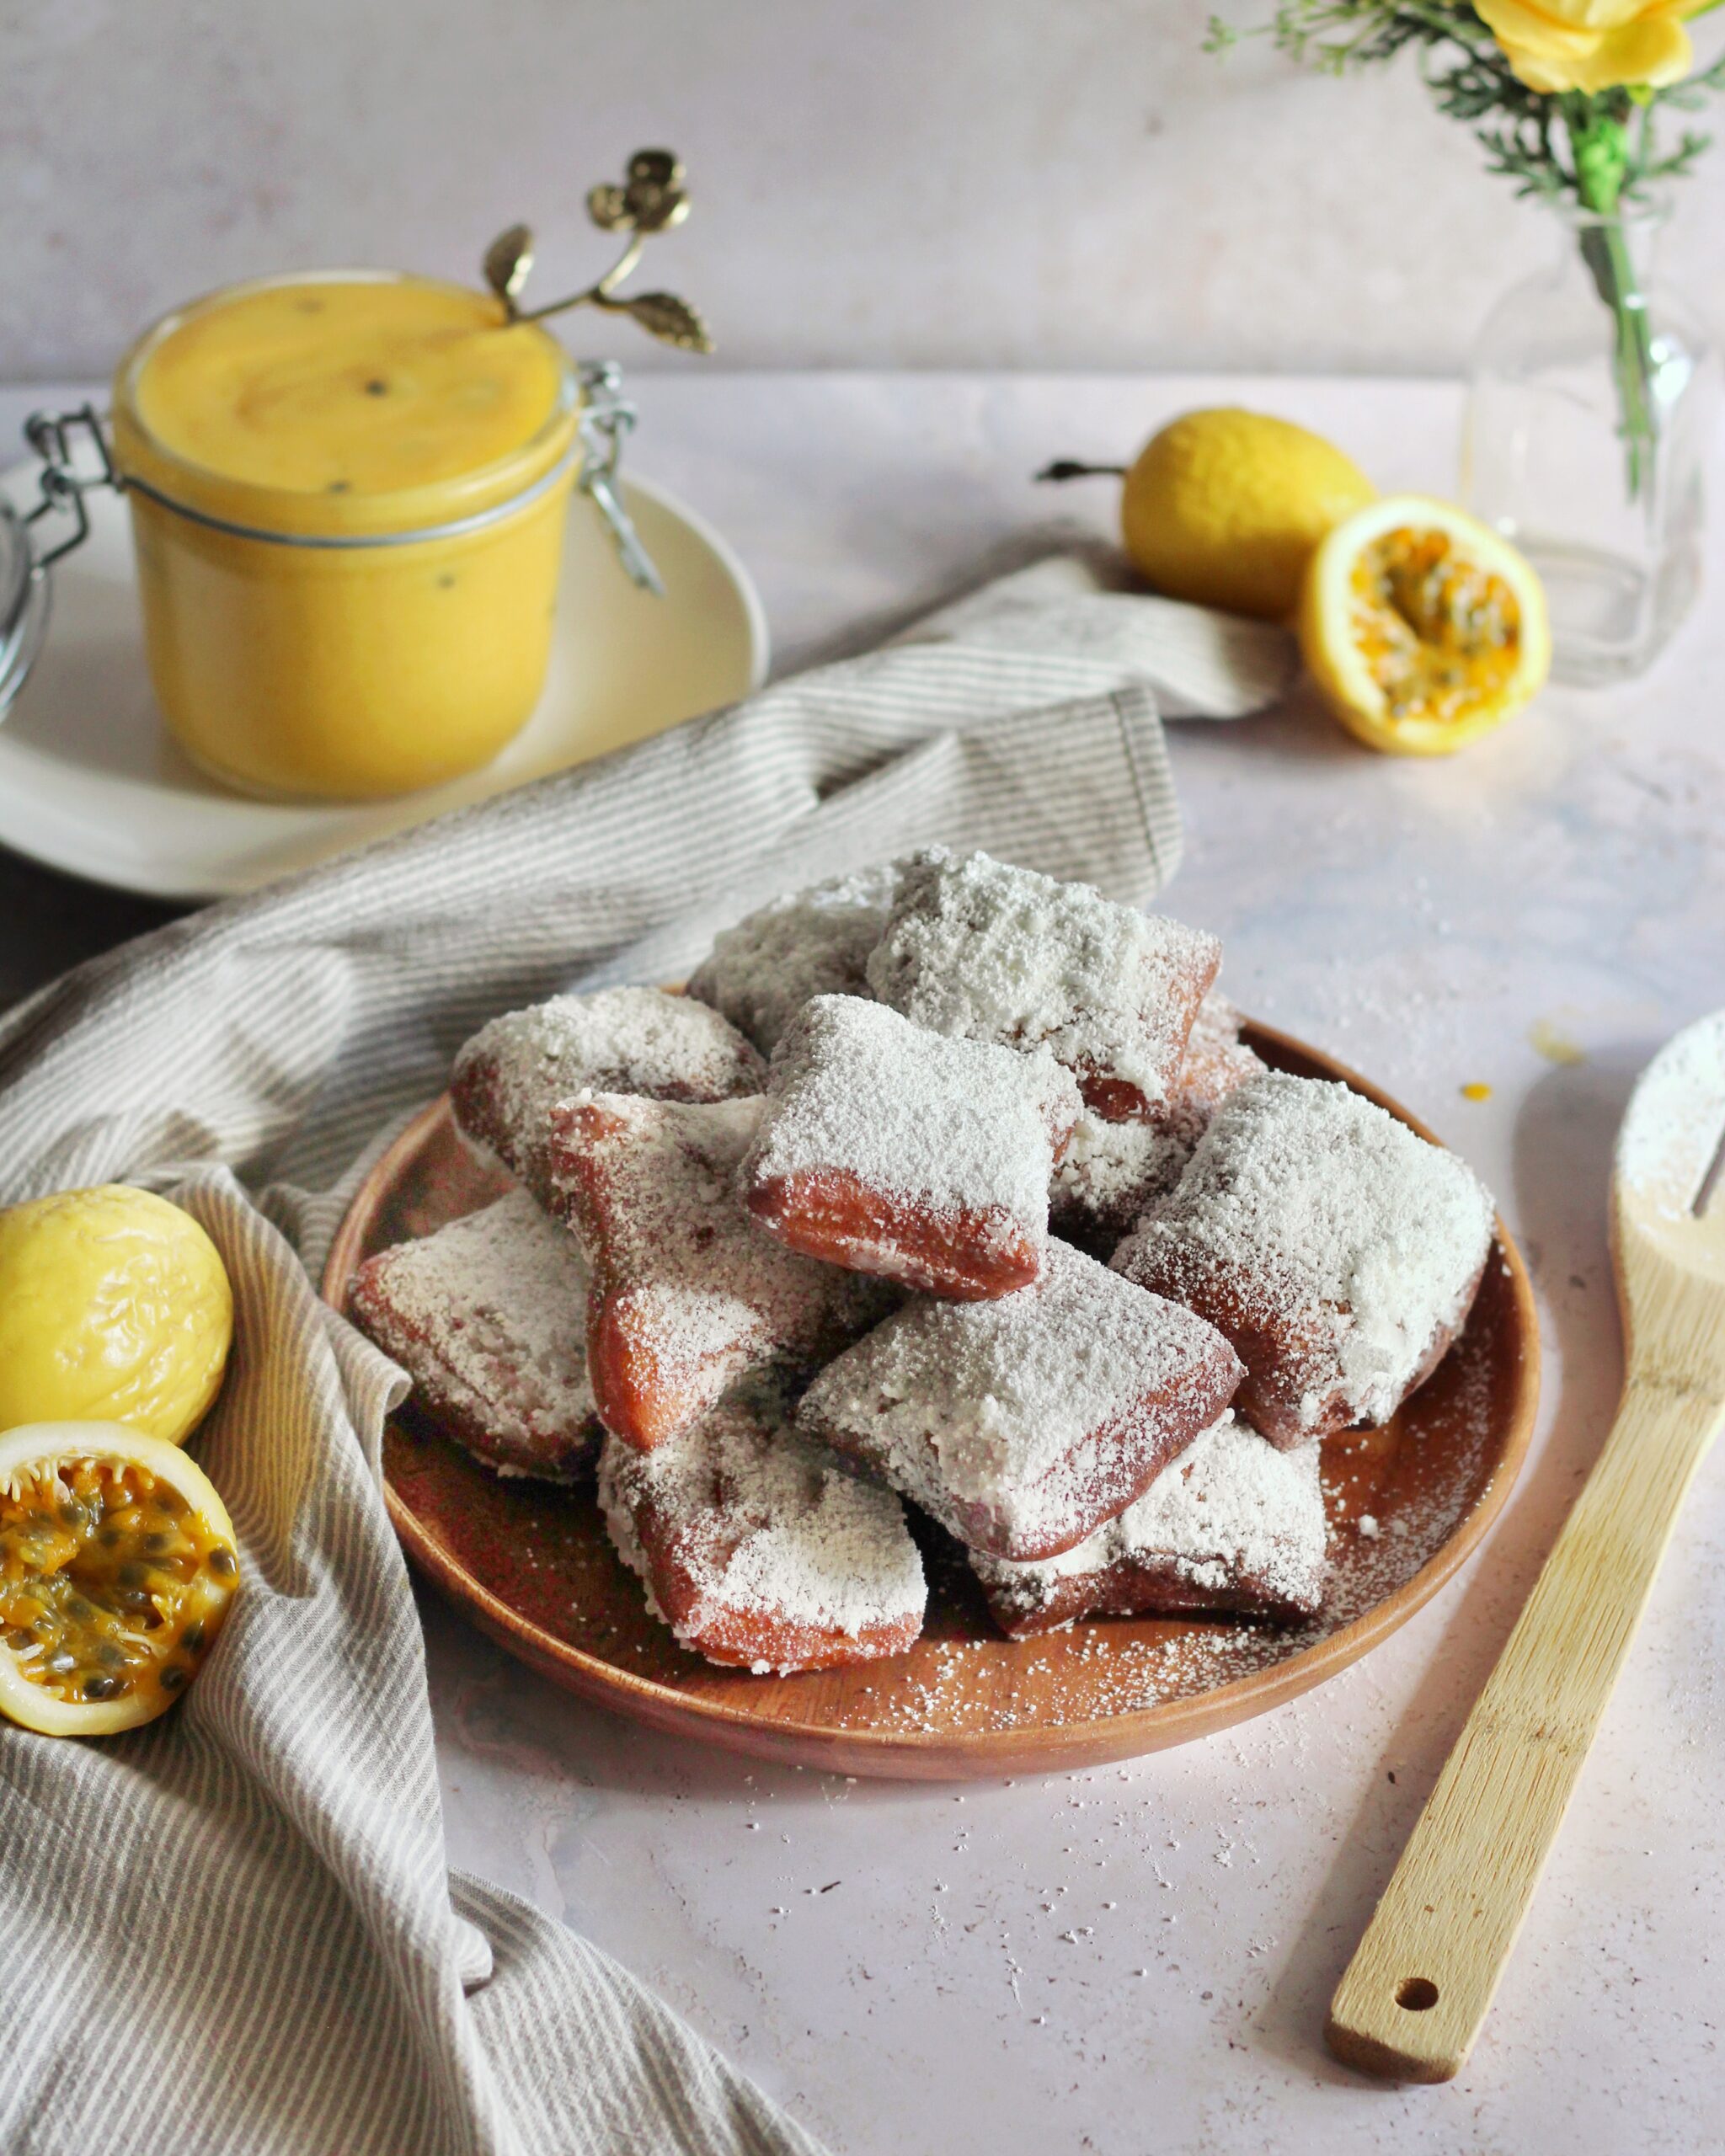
pixel 508 259
pixel 673 321
pixel 608 207
pixel 655 169
pixel 657 209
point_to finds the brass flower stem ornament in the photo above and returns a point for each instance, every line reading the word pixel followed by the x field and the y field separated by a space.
pixel 652 199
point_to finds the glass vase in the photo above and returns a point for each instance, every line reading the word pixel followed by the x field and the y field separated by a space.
pixel 1590 414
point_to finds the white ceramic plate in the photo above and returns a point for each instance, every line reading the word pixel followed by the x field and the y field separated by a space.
pixel 89 781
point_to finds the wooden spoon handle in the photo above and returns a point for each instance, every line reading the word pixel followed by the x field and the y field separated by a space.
pixel 1414 1996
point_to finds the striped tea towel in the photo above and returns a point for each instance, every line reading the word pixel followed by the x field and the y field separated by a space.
pixel 233 1931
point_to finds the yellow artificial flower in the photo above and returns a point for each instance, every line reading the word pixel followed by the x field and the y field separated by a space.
pixel 1593 45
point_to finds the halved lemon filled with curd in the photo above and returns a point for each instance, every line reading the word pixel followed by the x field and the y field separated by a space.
pixel 118 1566
pixel 1422 628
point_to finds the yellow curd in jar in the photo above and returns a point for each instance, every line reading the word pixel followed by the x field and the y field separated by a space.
pixel 348 494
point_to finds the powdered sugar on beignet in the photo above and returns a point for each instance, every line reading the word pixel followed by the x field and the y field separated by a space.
pixel 758 1550
pixel 813 942
pixel 898 1151
pixel 488 1316
pixel 1232 1524
pixel 1112 1173
pixel 978 949
pixel 687 1294
pixel 1022 1424
pixel 513 1071
pixel 1339 1251
pixel 1109 1174
pixel 1216 1063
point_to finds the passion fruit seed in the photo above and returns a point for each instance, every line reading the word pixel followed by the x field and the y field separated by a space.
pixel 1437 632
pixel 105 1572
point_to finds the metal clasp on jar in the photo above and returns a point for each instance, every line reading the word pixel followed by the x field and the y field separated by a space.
pixel 53 436
pixel 24 560
pixel 607 417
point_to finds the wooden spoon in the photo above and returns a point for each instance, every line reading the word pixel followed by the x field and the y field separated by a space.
pixel 1420 1984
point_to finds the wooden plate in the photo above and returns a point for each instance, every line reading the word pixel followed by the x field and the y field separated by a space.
pixel 533 1568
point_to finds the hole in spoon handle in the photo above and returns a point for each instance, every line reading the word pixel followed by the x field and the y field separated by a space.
pixel 1392 2018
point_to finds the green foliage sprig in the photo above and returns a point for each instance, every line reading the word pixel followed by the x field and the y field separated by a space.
pixel 1596 149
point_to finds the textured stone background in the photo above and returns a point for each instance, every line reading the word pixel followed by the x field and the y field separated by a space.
pixel 897 183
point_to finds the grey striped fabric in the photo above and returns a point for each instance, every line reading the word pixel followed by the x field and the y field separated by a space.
pixel 234 1930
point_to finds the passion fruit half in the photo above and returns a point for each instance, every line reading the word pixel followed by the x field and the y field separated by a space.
pixel 118 1567
pixel 1423 629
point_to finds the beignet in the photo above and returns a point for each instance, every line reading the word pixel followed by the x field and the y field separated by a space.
pixel 487 1317
pixel 758 1550
pixel 977 949
pixel 1231 1525
pixel 687 1296
pixel 813 943
pixel 897 1151
pixel 1023 1424
pixel 1337 1251
pixel 515 1070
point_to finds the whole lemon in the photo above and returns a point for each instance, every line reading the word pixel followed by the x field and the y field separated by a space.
pixel 114 1307
pixel 1225 507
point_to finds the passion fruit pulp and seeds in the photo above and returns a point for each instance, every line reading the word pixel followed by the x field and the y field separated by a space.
pixel 111 1583
pixel 1438 632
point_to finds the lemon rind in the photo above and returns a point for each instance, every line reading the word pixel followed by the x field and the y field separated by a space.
pixel 166 1390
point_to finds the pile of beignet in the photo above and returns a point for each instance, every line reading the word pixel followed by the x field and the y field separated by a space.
pixel 945 1184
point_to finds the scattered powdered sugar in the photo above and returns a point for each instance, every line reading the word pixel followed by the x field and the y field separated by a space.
pixel 680 1269
pixel 515 1070
pixel 976 948
pixel 1671 1131
pixel 1020 1424
pixel 1231 1512
pixel 748 1535
pixel 1336 1249
pixel 953 1128
pixel 811 942
pixel 487 1318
